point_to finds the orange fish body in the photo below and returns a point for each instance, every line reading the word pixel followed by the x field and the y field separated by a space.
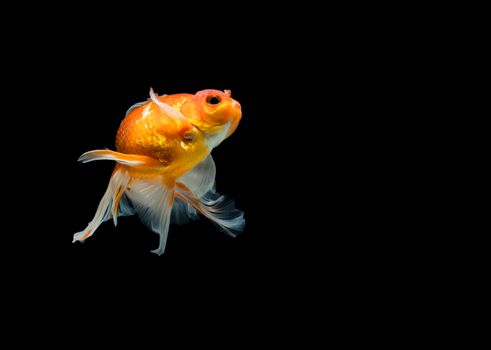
pixel 164 169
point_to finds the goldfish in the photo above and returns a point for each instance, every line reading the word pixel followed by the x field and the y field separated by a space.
pixel 164 169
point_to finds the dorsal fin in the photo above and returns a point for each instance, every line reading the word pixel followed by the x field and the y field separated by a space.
pixel 135 106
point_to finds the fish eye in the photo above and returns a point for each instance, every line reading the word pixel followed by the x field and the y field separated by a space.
pixel 213 100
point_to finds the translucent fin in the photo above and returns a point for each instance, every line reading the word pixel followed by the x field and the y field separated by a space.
pixel 165 108
pixel 120 206
pixel 109 205
pixel 122 158
pixel 219 209
pixel 135 106
pixel 199 180
pixel 152 201
pixel 182 212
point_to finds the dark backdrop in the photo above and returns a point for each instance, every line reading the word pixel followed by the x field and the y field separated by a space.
pixel 79 97
pixel 284 166
pixel 302 166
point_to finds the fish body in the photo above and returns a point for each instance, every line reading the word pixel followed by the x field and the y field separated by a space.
pixel 164 169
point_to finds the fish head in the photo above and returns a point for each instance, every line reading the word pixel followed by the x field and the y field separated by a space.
pixel 215 113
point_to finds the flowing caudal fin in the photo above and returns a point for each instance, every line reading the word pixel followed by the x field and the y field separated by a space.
pixel 219 209
pixel 152 201
pixel 196 189
pixel 112 204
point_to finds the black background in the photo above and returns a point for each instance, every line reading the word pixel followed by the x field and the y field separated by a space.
pixel 79 96
pixel 286 166
pixel 319 91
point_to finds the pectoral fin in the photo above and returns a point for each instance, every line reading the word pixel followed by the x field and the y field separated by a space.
pixel 132 160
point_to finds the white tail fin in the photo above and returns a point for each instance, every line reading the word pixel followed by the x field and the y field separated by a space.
pixel 219 209
pixel 150 199
pixel 112 204
pixel 195 191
